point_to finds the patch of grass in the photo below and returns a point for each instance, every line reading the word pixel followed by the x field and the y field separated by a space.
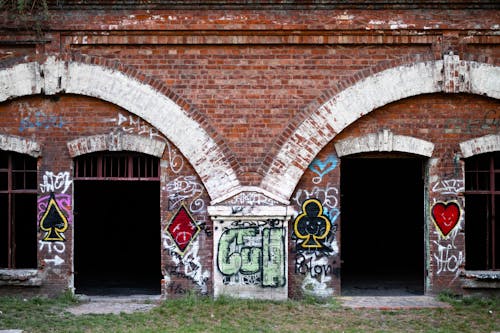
pixel 225 314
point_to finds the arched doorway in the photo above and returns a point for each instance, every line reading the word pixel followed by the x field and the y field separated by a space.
pixel 117 238
pixel 382 225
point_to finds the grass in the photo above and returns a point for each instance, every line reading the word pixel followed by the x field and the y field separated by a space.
pixel 203 314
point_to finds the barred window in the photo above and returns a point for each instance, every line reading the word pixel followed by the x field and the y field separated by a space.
pixel 482 208
pixel 18 210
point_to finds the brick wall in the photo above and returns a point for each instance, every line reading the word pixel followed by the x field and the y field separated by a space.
pixel 247 105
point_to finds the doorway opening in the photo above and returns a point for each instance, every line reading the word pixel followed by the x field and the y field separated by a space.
pixel 382 225
pixel 117 238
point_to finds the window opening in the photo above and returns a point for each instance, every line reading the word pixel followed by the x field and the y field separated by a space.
pixel 18 191
pixel 116 166
pixel 482 195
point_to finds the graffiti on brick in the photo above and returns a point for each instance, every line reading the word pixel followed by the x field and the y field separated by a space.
pixel 323 167
pixel 449 187
pixel 134 124
pixel 188 266
pixel 446 216
pixel 39 119
pixel 182 229
pixel 52 182
pixel 184 188
pixel 53 221
pixel 327 196
pixel 252 255
pixel 311 226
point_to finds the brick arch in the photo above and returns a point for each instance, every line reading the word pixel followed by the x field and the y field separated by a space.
pixel 145 97
pixel 20 145
pixel 321 125
pixel 481 145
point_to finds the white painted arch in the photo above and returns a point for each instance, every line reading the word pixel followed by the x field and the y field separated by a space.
pixel 20 145
pixel 322 125
pixel 384 141
pixel 481 145
pixel 57 76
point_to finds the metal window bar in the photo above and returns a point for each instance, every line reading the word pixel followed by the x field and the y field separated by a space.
pixel 13 161
pixel 488 188
pixel 117 166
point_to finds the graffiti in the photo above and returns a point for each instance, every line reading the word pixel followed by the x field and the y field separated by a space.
pixel 254 255
pixel 312 226
pixel 175 161
pixel 58 247
pixel 328 197
pixel 63 201
pixel 309 264
pixel 446 216
pixel 446 261
pixel 39 119
pixel 55 182
pixel 56 260
pixel 251 199
pixel 182 229
pixel 134 124
pixel 449 187
pixel 187 266
pixel 53 222
pixel 321 168
pixel 317 272
pixel 490 121
pixel 184 188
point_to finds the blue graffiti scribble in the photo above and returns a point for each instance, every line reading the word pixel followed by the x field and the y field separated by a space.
pixel 41 120
pixel 321 168
pixel 332 214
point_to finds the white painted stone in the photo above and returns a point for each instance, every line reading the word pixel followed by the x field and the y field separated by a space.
pixel 481 145
pixel 20 145
pixel 384 141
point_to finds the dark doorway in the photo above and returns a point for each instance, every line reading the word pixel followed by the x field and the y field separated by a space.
pixel 117 237
pixel 382 226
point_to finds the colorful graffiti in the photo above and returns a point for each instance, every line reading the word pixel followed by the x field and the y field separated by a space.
pixel 182 229
pixel 327 196
pixel 53 221
pixel 252 256
pixel 321 168
pixel 311 225
pixel 39 119
pixel 446 216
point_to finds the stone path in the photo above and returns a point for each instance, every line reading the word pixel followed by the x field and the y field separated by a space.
pixel 391 302
pixel 114 305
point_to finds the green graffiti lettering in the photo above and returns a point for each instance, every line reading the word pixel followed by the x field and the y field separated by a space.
pixel 229 259
pixel 273 266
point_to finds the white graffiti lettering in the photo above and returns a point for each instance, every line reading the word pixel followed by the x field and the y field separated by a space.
pixel 447 261
pixel 55 182
pixel 58 247
pixel 184 188
pixel 449 186
pixel 134 124
pixel 175 160
pixel 328 196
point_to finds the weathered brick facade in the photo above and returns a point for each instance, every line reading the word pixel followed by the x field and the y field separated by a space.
pixel 251 111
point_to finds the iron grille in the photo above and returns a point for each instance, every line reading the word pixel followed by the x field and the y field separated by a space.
pixel 116 166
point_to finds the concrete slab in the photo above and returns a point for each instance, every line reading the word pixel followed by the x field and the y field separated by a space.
pixel 391 302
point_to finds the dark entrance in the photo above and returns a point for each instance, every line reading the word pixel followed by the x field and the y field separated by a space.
pixel 117 230
pixel 382 226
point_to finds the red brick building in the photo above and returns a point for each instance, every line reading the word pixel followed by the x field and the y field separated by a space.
pixel 265 149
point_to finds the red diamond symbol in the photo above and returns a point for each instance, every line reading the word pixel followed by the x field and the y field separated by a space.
pixel 182 229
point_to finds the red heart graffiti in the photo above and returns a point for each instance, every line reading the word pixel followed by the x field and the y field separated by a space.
pixel 446 216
